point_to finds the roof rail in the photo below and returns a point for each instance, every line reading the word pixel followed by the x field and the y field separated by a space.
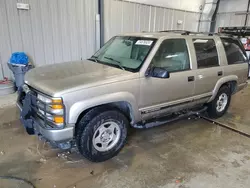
pixel 206 33
pixel 185 32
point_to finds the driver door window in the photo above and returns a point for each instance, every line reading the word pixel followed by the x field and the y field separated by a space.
pixel 172 55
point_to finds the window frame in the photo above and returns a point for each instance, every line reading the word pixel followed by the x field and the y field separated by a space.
pixel 241 48
pixel 195 54
pixel 188 50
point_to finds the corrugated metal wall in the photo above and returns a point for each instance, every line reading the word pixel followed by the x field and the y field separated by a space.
pixel 123 16
pixel 231 13
pixel 193 5
pixel 55 31
pixel 230 19
pixel 51 31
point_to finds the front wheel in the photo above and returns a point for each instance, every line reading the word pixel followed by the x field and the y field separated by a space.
pixel 220 104
pixel 102 137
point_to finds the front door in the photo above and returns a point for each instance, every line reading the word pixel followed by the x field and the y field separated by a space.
pixel 157 93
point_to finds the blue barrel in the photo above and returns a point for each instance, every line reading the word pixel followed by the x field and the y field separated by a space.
pixel 19 66
pixel 19 72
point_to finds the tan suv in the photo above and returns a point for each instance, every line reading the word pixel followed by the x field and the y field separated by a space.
pixel 140 80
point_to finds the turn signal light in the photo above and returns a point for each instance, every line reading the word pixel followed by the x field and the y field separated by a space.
pixel 58 119
pixel 57 104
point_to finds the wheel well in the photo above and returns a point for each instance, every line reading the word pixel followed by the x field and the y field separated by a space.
pixel 232 85
pixel 122 106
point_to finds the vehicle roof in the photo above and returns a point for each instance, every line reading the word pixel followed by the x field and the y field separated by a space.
pixel 158 35
pixel 152 34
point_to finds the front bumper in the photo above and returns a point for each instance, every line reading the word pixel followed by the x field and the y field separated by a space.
pixel 35 125
pixel 62 135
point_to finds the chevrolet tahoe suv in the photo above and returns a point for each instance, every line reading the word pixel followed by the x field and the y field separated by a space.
pixel 140 80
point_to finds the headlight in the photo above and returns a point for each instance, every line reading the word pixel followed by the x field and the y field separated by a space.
pixel 52 108
pixel 44 99
pixel 54 103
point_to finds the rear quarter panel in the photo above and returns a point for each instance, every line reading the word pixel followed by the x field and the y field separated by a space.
pixel 235 72
pixel 240 70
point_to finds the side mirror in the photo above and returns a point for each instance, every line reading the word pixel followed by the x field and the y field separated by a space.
pixel 157 72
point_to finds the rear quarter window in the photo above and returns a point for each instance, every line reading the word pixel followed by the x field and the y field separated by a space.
pixel 234 51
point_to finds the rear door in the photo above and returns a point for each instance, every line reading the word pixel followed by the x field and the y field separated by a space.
pixel 208 70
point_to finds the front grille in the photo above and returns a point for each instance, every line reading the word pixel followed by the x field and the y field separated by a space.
pixel 39 109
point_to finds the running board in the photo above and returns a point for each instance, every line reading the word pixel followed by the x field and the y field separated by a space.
pixel 164 120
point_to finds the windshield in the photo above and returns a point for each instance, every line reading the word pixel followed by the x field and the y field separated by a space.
pixel 125 52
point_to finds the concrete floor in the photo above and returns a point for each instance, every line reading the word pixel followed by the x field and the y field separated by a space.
pixel 238 116
pixel 185 154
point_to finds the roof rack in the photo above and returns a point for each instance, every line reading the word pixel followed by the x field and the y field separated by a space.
pixel 185 32
pixel 235 31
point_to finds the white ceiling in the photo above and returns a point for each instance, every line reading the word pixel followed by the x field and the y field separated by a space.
pixel 189 5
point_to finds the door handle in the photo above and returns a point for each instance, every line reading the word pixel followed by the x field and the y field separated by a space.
pixel 220 73
pixel 190 78
pixel 200 76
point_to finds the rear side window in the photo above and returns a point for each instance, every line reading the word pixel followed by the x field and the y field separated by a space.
pixel 206 53
pixel 234 51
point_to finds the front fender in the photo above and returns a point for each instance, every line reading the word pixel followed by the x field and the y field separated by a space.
pixel 220 82
pixel 80 106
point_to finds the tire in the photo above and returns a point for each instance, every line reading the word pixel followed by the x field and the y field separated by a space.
pixel 217 109
pixel 102 137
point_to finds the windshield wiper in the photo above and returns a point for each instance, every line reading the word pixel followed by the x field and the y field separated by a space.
pixel 94 58
pixel 118 62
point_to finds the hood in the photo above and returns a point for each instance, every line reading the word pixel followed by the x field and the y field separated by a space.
pixel 61 78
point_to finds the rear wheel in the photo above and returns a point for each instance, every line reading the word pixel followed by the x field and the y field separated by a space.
pixel 220 104
pixel 102 137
